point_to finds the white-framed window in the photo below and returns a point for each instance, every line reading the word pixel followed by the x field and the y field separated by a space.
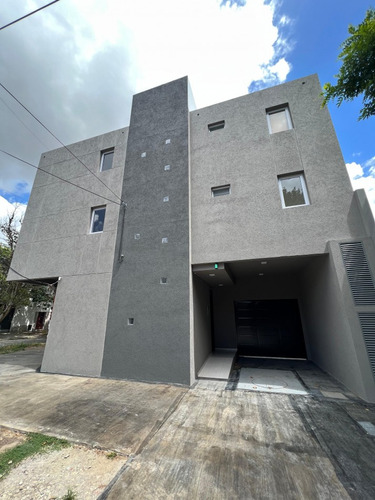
pixel 220 190
pixel 97 219
pixel 106 160
pixel 279 119
pixel 293 190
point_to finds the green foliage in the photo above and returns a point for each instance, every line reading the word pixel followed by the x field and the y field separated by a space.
pixel 70 495
pixel 8 349
pixel 12 294
pixel 35 443
pixel 15 294
pixel 357 73
pixel 111 455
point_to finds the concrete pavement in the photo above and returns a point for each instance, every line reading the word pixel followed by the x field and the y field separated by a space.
pixel 211 441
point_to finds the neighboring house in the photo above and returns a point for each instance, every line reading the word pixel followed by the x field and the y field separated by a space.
pixel 35 317
pixel 240 231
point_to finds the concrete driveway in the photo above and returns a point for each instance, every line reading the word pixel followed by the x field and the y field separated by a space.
pixel 213 441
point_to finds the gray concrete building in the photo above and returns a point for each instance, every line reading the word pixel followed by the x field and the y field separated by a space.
pixel 232 227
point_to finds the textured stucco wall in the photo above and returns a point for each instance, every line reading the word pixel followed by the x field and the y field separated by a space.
pixel 334 337
pixel 250 223
pixel 55 242
pixel 76 338
pixel 202 322
pixel 157 346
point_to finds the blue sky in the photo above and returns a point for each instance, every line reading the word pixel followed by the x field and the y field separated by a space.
pixel 76 65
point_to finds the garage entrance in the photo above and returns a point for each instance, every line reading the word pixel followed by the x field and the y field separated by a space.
pixel 269 328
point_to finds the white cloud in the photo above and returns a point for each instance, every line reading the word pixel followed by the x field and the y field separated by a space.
pixel 371 164
pixel 354 170
pixel 360 181
pixel 76 65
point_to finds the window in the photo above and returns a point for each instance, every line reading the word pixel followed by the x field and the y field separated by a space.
pixel 106 160
pixel 279 119
pixel 216 126
pixel 293 190
pixel 220 190
pixel 97 220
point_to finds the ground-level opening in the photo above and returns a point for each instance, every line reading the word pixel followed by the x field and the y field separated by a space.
pixel 257 308
pixel 269 328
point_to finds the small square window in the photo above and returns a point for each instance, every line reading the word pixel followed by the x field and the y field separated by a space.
pixel 137 236
pixel 163 281
pixel 97 220
pixel 130 321
pixel 168 141
pixel 165 199
pixel 279 119
pixel 144 154
pixel 293 190
pixel 220 190
pixel 216 126
pixel 164 240
pixel 106 161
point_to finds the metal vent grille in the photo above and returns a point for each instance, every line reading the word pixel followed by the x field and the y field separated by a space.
pixel 367 320
pixel 358 272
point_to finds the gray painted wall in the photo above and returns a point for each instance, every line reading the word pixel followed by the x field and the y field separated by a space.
pixel 330 320
pixel 157 346
pixel 202 322
pixel 55 242
pixel 250 223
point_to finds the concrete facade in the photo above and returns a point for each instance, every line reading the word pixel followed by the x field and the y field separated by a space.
pixel 154 293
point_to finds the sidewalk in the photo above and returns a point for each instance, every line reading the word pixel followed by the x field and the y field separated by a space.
pixel 204 442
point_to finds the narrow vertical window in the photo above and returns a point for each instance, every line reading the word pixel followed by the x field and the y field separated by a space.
pixel 97 220
pixel 106 161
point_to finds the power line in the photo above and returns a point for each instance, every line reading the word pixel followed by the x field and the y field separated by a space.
pixel 57 177
pixel 27 15
pixel 58 140
pixel 24 124
pixel 34 281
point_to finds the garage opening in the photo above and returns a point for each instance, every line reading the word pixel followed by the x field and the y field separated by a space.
pixel 256 308
pixel 269 328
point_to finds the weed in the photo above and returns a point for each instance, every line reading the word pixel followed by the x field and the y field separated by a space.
pixel 69 495
pixel 35 443
pixel 111 455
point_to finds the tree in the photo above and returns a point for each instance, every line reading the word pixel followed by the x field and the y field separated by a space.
pixel 357 73
pixel 14 294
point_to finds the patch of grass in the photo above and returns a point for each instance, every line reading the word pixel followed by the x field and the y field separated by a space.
pixel 111 455
pixel 17 347
pixel 35 443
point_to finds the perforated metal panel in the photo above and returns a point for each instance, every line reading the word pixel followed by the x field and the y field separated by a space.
pixel 367 320
pixel 358 273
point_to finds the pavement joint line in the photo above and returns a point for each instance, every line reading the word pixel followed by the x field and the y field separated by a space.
pixel 155 429
pixel 159 423
pixel 114 480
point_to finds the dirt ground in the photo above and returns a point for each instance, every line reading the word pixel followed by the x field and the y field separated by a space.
pixel 83 470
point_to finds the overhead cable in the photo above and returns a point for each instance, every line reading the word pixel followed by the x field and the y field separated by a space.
pixel 36 282
pixel 58 140
pixel 27 15
pixel 57 177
